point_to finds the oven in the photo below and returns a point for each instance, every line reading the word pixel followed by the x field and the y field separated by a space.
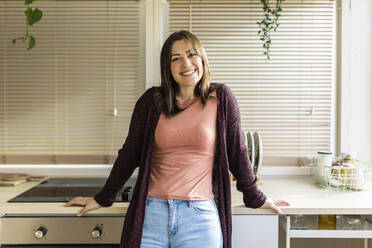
pixel 63 230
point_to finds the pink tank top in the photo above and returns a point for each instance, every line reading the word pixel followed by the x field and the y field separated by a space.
pixel 182 160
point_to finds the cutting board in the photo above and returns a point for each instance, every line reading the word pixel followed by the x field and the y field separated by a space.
pixel 10 183
pixel 12 179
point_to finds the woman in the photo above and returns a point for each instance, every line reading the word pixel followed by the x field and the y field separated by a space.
pixel 184 136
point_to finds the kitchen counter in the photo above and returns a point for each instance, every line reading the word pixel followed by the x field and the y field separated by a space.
pixel 301 192
pixel 7 193
pixel 307 197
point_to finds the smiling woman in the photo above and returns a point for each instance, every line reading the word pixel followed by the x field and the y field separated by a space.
pixel 184 152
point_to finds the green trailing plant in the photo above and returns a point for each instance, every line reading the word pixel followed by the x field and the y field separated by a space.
pixel 32 17
pixel 269 23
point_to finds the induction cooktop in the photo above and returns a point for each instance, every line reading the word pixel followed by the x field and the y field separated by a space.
pixel 64 189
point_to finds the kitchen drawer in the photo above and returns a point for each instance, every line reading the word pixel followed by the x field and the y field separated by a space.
pixel 255 231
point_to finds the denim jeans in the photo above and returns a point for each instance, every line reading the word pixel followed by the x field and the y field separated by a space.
pixel 181 224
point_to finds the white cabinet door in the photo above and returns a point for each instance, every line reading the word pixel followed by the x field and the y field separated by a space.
pixel 255 231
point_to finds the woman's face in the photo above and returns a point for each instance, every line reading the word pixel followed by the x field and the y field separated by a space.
pixel 186 65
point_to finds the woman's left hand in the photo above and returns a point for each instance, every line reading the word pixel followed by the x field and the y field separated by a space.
pixel 274 204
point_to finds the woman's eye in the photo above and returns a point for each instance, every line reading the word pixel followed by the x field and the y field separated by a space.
pixel 175 59
pixel 193 54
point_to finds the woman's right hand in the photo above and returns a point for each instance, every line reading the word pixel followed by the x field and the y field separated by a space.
pixel 88 202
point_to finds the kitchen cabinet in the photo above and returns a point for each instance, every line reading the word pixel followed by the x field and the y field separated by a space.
pixel 255 231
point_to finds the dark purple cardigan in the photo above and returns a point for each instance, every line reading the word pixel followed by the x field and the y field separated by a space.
pixel 231 154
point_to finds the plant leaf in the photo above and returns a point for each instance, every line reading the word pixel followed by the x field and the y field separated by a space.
pixel 29 1
pixel 35 16
pixel 31 43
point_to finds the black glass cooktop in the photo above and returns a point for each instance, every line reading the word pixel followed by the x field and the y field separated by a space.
pixel 64 189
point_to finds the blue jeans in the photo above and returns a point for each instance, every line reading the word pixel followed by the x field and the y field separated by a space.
pixel 181 224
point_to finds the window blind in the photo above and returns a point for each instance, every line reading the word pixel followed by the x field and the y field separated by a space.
pixel 289 100
pixel 69 99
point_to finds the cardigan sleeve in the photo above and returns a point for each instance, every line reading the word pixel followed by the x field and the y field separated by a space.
pixel 129 155
pixel 237 151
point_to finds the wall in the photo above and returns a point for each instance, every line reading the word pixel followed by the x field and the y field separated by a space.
pixel 156 33
pixel 355 74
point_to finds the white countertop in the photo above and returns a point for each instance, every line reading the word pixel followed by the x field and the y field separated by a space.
pixel 55 208
pixel 307 197
pixel 301 192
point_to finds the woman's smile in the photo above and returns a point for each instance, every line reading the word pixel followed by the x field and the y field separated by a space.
pixel 188 73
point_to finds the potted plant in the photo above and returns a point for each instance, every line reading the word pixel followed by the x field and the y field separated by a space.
pixel 268 24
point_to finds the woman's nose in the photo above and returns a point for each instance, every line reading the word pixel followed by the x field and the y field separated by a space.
pixel 186 62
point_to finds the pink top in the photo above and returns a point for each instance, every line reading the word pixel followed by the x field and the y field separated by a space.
pixel 182 160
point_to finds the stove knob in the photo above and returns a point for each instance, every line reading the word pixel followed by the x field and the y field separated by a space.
pixel 96 232
pixel 40 232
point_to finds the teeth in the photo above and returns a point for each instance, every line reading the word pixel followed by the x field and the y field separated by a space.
pixel 188 73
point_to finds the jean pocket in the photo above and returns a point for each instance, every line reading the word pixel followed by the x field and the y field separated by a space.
pixel 204 207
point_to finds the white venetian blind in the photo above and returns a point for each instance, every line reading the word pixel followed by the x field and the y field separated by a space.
pixel 58 102
pixel 290 99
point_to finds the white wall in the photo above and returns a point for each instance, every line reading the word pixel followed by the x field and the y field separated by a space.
pixel 156 32
pixel 356 75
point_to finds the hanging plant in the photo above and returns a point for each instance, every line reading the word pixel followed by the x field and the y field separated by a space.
pixel 268 24
pixel 32 17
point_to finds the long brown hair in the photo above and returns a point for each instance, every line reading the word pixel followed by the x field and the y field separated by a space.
pixel 165 97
